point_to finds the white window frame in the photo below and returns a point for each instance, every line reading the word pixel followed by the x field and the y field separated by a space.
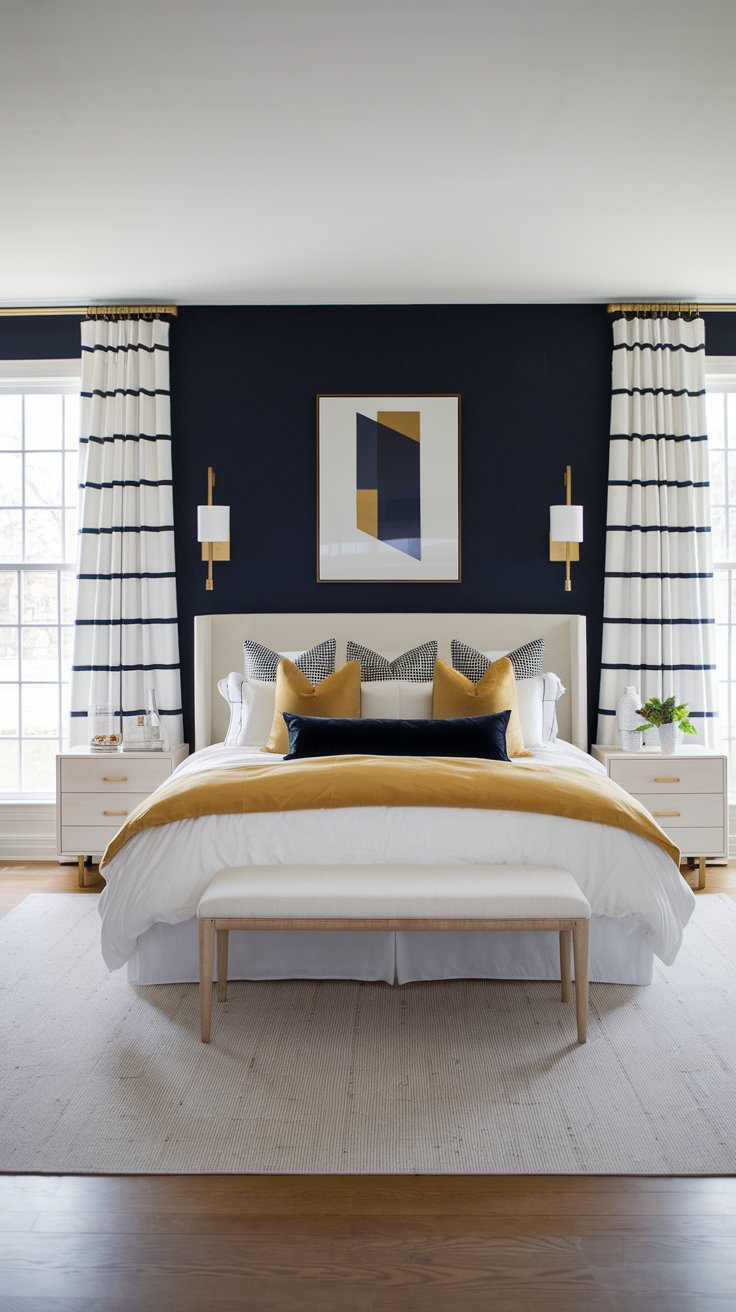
pixel 39 376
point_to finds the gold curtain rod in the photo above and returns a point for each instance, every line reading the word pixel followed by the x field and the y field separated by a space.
pixel 668 307
pixel 84 310
pixel 633 307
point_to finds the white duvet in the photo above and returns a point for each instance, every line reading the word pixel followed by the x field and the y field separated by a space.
pixel 160 875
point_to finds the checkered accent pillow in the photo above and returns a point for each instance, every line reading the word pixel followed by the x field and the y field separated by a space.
pixel 261 663
pixel 416 665
pixel 527 660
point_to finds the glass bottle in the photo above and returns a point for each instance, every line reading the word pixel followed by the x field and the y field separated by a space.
pixel 154 729
pixel 627 720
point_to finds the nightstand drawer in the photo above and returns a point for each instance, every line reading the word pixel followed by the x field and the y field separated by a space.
pixel 678 810
pixel 87 840
pixel 697 842
pixel 89 775
pixel 109 809
pixel 666 774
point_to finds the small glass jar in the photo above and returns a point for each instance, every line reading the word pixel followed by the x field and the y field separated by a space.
pixel 103 734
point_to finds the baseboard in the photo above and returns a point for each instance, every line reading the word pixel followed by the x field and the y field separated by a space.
pixel 27 831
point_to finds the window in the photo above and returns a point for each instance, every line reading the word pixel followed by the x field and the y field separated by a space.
pixel 39 445
pixel 721 406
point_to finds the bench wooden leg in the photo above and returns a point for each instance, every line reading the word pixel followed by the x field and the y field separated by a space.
pixel 222 938
pixel 581 950
pixel 565 962
pixel 206 962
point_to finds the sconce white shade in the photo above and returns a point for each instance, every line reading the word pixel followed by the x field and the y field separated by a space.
pixel 566 523
pixel 213 523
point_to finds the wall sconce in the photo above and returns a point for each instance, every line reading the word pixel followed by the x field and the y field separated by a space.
pixel 213 530
pixel 566 530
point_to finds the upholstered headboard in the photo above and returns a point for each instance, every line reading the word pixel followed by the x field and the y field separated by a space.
pixel 218 648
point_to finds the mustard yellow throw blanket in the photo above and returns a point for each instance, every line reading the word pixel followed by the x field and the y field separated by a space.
pixel 327 782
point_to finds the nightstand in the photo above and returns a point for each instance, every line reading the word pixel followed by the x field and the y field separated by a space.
pixel 686 793
pixel 96 790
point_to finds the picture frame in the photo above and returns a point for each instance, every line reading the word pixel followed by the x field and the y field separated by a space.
pixel 388 488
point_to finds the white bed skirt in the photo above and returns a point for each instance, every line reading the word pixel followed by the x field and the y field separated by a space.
pixel 619 954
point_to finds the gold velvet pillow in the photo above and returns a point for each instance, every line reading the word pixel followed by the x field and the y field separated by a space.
pixel 454 695
pixel 337 695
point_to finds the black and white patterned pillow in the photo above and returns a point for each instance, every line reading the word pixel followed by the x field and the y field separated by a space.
pixel 416 665
pixel 261 663
pixel 527 660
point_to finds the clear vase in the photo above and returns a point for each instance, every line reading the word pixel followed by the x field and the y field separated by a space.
pixel 104 734
pixel 627 719
pixel 668 739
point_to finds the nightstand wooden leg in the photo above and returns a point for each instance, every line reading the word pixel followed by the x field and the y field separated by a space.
pixel 701 873
pixel 81 863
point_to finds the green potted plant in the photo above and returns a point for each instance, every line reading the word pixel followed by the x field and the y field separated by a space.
pixel 667 717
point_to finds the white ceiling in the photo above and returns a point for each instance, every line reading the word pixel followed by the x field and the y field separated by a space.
pixel 290 151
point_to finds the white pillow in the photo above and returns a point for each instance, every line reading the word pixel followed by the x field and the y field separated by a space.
pixel 537 699
pixel 553 690
pixel 259 706
pixel 252 704
pixel 231 689
pixel 396 699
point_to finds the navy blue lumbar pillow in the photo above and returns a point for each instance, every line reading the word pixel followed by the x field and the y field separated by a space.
pixel 469 735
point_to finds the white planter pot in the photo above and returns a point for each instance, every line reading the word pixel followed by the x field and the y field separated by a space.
pixel 668 739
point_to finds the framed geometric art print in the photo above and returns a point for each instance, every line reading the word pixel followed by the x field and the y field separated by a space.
pixel 388 489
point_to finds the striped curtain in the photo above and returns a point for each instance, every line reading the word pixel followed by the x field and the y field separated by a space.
pixel 658 625
pixel 126 638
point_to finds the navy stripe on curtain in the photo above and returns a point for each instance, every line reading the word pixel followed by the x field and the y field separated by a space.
pixel 126 638
pixel 658 630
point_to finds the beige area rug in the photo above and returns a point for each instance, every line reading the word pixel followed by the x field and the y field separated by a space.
pixel 464 1076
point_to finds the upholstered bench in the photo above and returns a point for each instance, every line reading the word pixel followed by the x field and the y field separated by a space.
pixel 402 897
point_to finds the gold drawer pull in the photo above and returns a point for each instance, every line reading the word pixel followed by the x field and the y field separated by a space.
pixel 114 778
pixel 114 812
pixel 665 813
pixel 667 779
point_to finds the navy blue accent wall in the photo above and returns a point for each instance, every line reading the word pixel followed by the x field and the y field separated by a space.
pixel 39 337
pixel 535 386
pixel 720 333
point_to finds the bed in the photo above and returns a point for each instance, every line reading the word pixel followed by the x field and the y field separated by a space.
pixel 640 904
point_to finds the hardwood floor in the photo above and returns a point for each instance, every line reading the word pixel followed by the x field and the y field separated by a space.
pixel 19 878
pixel 361 1244
pixel 510 1244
